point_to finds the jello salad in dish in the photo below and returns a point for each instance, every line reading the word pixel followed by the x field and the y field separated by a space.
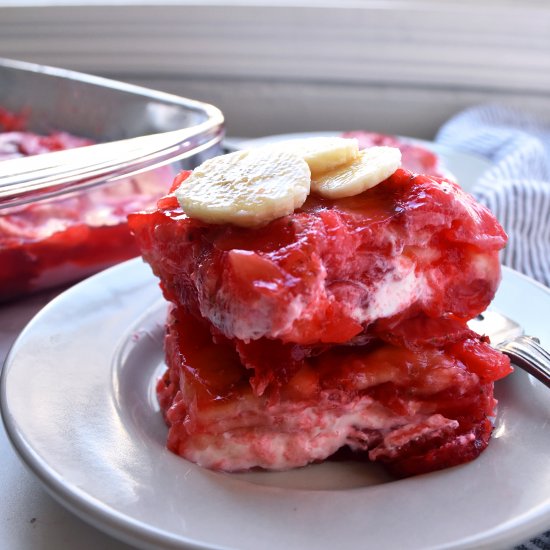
pixel 49 242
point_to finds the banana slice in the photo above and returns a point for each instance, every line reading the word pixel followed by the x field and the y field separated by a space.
pixel 246 188
pixel 321 153
pixel 372 166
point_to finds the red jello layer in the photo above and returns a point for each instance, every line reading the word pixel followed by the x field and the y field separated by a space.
pixel 414 411
pixel 332 271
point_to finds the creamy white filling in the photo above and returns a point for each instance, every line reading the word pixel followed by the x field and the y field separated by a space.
pixel 266 316
pixel 397 290
pixel 309 435
pixel 482 266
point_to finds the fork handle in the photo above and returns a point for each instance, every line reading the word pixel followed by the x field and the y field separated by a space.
pixel 527 353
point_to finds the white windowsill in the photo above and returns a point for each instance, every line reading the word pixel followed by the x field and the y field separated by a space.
pixel 316 64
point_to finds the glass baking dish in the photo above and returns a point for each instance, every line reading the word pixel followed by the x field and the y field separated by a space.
pixel 47 240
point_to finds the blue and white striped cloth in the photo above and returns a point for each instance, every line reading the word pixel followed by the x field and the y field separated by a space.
pixel 517 187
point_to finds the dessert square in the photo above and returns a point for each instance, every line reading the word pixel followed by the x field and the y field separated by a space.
pixel 335 323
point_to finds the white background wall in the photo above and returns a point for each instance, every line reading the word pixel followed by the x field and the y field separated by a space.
pixel 400 67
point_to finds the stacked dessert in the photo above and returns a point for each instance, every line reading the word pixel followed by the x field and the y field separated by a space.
pixel 319 298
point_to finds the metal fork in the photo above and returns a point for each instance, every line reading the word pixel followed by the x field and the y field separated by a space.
pixel 507 336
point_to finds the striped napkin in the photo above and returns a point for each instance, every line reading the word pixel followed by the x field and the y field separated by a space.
pixel 517 187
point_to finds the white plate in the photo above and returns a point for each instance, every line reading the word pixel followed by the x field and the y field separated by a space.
pixel 464 167
pixel 78 402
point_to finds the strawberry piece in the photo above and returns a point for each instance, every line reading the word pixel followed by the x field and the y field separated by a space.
pixel 485 361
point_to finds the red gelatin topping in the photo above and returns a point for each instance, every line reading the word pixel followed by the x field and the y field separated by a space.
pixel 413 245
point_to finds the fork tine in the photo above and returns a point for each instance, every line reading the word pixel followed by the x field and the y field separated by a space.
pixel 497 326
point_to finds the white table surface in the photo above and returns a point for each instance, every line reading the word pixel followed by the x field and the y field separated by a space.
pixel 29 517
